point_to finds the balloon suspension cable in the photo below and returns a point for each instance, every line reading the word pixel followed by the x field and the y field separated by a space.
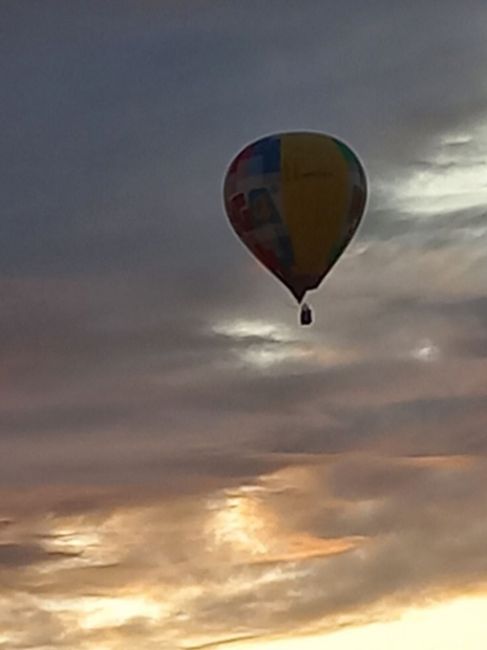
pixel 306 315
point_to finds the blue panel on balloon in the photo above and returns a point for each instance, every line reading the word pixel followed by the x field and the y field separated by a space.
pixel 254 166
pixel 270 151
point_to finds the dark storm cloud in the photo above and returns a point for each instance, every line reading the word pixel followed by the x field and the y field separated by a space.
pixel 429 426
pixel 23 555
pixel 100 159
pixel 77 386
pixel 116 114
pixel 475 347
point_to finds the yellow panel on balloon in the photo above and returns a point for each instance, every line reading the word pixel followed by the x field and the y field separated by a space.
pixel 315 196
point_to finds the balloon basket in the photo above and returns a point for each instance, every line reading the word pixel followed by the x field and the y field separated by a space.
pixel 306 315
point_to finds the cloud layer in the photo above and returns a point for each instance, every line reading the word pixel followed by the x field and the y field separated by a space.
pixel 180 464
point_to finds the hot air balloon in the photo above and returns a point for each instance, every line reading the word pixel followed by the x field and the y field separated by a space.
pixel 295 200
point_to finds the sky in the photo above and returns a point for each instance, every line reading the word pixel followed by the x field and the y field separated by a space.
pixel 182 466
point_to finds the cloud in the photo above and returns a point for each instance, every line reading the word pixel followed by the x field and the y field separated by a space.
pixel 179 463
pixel 24 555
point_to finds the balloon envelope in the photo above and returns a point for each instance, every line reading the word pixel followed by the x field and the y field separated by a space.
pixel 295 200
